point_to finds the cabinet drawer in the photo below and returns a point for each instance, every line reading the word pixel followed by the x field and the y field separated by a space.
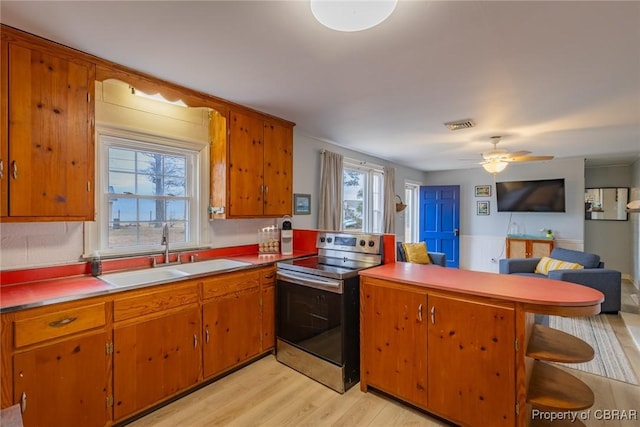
pixel 228 283
pixel 268 277
pixel 147 302
pixel 54 325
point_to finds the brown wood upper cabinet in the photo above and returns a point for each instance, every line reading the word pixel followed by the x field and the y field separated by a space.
pixel 47 132
pixel 252 169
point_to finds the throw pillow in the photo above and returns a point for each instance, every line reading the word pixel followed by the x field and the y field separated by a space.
pixel 546 264
pixel 416 253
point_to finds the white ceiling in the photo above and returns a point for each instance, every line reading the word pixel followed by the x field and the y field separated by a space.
pixel 554 78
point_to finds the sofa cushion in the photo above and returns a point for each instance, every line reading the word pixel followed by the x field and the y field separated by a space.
pixel 585 259
pixel 416 253
pixel 546 264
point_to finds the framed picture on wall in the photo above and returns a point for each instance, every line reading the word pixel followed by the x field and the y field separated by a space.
pixel 482 208
pixel 483 190
pixel 301 204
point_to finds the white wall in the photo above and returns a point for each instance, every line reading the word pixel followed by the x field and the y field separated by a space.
pixel 634 218
pixel 612 240
pixel 482 238
pixel 306 172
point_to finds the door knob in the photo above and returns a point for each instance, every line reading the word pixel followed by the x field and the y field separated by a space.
pixel 456 232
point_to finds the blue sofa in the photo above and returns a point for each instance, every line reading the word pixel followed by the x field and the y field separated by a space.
pixel 437 258
pixel 594 275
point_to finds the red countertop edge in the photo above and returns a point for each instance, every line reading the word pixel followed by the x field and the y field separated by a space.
pixel 43 292
pixel 12 277
pixel 23 288
pixel 510 287
pixel 303 240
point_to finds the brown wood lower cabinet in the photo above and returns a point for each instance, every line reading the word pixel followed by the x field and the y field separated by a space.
pixel 232 330
pixel 232 321
pixel 394 341
pixel 155 359
pixel 103 360
pixel 268 286
pixel 63 384
pixel 450 355
pixel 471 360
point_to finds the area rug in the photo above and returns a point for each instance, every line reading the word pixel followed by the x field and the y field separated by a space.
pixel 610 360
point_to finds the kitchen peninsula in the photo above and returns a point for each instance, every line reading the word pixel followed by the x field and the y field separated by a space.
pixel 463 344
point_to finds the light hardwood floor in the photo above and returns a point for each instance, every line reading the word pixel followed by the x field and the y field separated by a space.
pixel 267 393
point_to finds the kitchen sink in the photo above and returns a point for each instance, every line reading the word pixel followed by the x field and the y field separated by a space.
pixel 143 277
pixel 169 273
pixel 211 266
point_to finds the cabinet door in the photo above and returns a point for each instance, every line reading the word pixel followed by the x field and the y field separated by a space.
pixel 471 361
pixel 155 359
pixel 278 173
pixel 394 342
pixel 50 135
pixel 540 248
pixel 231 329
pixel 245 165
pixel 268 317
pixel 517 248
pixel 4 125
pixel 63 384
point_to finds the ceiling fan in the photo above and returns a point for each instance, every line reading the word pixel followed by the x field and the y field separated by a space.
pixel 497 159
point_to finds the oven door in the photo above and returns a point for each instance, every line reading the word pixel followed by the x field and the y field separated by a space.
pixel 310 317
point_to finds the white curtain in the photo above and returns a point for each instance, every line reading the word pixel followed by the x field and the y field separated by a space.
pixel 330 206
pixel 389 214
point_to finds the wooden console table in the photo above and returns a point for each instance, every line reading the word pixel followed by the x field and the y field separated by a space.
pixel 529 246
pixel 463 345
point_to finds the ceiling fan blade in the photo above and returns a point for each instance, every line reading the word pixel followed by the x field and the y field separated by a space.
pixel 519 153
pixel 529 158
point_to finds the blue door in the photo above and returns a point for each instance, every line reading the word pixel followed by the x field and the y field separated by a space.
pixel 440 220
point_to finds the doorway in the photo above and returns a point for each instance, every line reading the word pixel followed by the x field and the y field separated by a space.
pixel 440 220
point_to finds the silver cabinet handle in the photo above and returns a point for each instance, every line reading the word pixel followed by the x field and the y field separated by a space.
pixel 433 315
pixel 14 166
pixel 23 402
pixel 206 334
pixel 62 322
pixel 195 341
pixel 1 168
pixel 420 312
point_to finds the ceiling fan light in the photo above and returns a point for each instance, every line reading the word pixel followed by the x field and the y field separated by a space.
pixel 352 15
pixel 495 166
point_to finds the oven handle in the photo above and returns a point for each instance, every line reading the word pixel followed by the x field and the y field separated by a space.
pixel 307 280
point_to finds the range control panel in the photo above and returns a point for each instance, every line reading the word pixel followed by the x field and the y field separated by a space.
pixel 350 242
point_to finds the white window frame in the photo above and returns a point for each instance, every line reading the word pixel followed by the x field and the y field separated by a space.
pixel 96 234
pixel 368 211
pixel 412 212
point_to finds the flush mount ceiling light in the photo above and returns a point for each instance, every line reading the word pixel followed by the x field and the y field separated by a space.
pixel 494 166
pixel 352 15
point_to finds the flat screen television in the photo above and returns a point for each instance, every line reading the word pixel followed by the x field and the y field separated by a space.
pixel 542 195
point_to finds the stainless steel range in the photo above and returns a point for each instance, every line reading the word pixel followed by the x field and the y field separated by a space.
pixel 317 309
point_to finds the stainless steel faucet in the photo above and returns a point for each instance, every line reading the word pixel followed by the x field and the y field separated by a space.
pixel 165 242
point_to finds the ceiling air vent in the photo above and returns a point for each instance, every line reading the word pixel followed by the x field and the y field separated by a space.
pixel 460 124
